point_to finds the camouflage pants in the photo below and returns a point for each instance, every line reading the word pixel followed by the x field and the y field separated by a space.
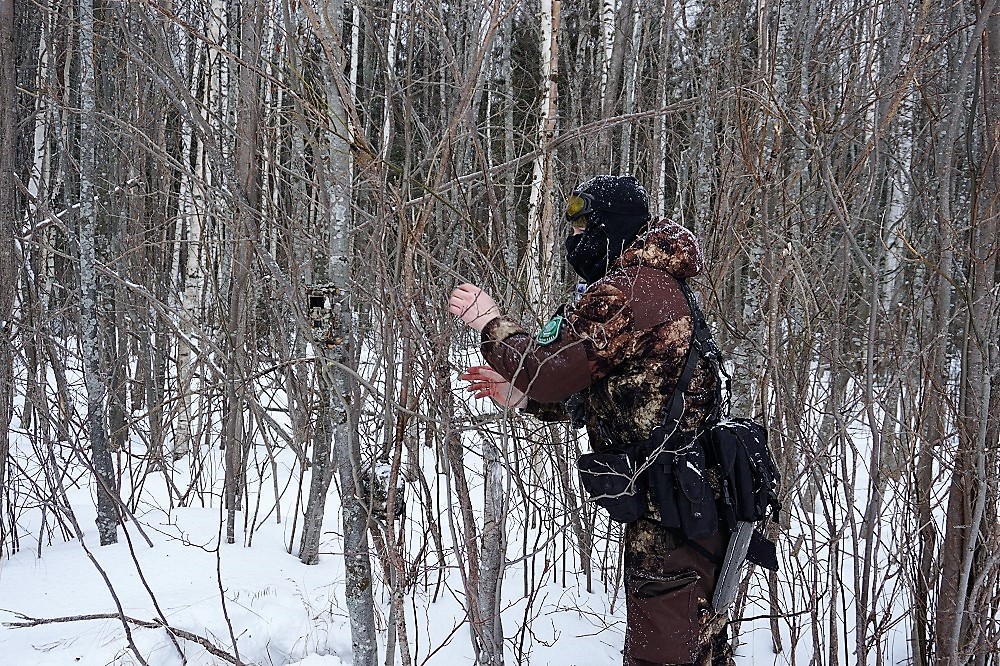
pixel 668 587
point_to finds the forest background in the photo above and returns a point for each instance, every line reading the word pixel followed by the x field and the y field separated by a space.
pixel 227 230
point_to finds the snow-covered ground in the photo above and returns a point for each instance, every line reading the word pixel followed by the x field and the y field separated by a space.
pixel 280 611
pixel 277 611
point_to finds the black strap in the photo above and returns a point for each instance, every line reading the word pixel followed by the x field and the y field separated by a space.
pixel 701 550
pixel 676 407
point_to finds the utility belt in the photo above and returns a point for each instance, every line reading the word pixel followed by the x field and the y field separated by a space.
pixel 673 475
pixel 670 474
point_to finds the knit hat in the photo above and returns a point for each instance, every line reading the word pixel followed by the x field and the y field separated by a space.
pixel 615 210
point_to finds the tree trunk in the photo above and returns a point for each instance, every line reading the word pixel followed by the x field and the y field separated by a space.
pixel 338 352
pixel 492 555
pixel 541 234
pixel 625 165
pixel 8 269
pixel 245 225
pixel 972 509
pixel 967 490
pixel 94 377
pixel 703 141
pixel 194 206
pixel 660 162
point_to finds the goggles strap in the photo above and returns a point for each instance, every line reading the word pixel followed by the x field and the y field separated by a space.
pixel 580 204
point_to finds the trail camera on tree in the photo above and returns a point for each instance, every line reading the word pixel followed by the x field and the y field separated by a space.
pixel 325 302
pixel 374 486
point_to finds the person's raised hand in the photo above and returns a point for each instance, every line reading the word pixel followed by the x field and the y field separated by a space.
pixel 485 382
pixel 473 305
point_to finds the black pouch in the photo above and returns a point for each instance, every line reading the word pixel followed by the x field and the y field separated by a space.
pixel 679 485
pixel 613 482
pixel 748 470
pixel 762 551
pixel 663 490
pixel 699 515
pixel 662 624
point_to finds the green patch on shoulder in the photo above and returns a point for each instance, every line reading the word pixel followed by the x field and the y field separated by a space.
pixel 550 332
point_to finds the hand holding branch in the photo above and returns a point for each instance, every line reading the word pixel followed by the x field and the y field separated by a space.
pixel 475 307
pixel 485 382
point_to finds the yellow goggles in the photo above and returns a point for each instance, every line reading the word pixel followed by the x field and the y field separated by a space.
pixel 578 206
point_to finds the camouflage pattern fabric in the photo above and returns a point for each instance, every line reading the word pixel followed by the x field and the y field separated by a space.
pixel 617 356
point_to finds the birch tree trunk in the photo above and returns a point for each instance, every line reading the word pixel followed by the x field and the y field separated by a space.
pixel 195 203
pixel 541 234
pixel 606 19
pixel 613 46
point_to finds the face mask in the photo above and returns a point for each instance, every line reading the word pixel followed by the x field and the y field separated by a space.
pixel 587 253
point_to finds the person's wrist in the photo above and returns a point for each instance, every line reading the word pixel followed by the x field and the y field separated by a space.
pixel 480 322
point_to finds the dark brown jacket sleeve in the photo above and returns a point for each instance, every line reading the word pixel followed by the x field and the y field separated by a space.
pixel 598 334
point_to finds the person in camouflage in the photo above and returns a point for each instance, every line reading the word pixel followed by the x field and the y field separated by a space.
pixel 610 362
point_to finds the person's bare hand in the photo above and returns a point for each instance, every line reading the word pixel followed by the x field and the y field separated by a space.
pixel 485 382
pixel 473 305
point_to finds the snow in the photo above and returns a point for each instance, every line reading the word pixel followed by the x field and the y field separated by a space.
pixel 281 611
pixel 284 613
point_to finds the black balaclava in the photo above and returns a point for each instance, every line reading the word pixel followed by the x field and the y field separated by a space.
pixel 619 212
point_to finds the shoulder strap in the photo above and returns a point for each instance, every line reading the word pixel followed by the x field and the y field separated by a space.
pixel 702 346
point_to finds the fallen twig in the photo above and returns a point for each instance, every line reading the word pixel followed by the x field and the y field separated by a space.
pixel 27 621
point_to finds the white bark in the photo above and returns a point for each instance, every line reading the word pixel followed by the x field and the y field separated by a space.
pixel 390 81
pixel 337 447
pixel 541 234
pixel 195 207
pixel 631 74
pixel 607 21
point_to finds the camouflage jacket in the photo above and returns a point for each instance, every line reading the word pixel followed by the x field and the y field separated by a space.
pixel 619 351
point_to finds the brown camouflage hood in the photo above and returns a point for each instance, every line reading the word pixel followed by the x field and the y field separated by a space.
pixel 668 247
